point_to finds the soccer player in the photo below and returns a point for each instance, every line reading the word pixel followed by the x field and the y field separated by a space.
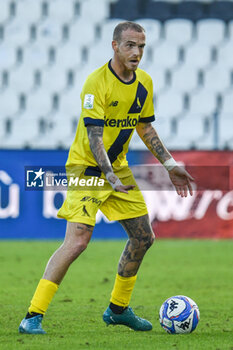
pixel 117 98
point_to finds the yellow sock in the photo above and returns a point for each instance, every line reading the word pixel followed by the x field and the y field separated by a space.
pixel 122 290
pixel 43 295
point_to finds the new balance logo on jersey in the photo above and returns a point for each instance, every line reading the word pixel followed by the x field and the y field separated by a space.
pixel 121 123
pixel 113 104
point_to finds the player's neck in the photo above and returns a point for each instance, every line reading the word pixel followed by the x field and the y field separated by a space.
pixel 123 73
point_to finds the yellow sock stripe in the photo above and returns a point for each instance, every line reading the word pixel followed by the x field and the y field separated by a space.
pixel 122 290
pixel 43 295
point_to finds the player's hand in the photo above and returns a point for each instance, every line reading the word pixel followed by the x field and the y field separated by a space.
pixel 116 183
pixel 181 179
pixel 124 189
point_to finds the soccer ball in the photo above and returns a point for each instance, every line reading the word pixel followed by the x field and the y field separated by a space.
pixel 179 314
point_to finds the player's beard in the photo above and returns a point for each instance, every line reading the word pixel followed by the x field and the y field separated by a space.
pixel 132 66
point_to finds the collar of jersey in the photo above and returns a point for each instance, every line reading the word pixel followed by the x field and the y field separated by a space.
pixel 124 82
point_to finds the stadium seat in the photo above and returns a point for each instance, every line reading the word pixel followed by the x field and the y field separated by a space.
pixel 159 10
pixel 125 9
pixel 136 142
pixel 170 104
pixel 172 1
pixel 198 56
pixel 49 33
pixel 207 2
pixel 68 56
pixel 39 104
pixel 35 57
pixel 189 134
pixel 230 27
pixel 1 33
pixel 185 79
pixel 70 104
pixel 178 31
pixel 95 11
pixel 24 131
pixel 2 130
pixel 227 105
pixel 81 75
pixel 225 131
pixel 217 79
pixel 30 11
pixel 164 128
pixel 7 56
pixel 57 131
pixel 5 11
pixel 221 9
pixel 61 13
pixel 166 55
pixel 210 31
pixel 9 103
pixel 158 77
pixel 225 54
pixel 191 10
pixel 54 79
pixel 107 29
pixel 76 33
pixel 22 79
pixel 16 33
pixel 147 58
pixel 99 54
pixel 202 104
pixel 4 79
pixel 152 28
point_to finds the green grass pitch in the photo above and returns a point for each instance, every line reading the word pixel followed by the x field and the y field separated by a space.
pixel 201 270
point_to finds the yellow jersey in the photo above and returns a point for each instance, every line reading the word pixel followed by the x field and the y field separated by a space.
pixel 116 105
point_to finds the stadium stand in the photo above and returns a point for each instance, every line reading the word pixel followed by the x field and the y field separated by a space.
pixel 47 49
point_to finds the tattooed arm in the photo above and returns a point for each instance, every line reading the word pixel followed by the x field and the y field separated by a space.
pixel 152 141
pixel 95 135
pixel 178 176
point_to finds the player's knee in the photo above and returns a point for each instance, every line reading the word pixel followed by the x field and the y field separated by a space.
pixel 150 239
pixel 77 248
pixel 81 246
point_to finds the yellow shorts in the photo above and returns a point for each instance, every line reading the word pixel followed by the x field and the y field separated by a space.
pixel 81 204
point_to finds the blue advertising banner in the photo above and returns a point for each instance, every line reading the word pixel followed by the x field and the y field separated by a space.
pixel 31 214
pixel 28 205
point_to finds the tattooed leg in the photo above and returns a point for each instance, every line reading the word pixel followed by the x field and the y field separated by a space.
pixel 76 240
pixel 141 237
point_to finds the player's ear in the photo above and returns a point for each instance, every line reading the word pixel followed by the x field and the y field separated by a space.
pixel 115 45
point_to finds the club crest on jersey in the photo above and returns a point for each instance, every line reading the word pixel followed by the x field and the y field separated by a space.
pixel 121 123
pixel 88 101
pixel 138 103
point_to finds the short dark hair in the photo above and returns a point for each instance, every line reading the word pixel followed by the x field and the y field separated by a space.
pixel 121 27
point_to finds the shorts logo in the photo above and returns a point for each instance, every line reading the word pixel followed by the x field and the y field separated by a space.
pixel 88 101
pixel 113 104
pixel 91 199
pixel 85 212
